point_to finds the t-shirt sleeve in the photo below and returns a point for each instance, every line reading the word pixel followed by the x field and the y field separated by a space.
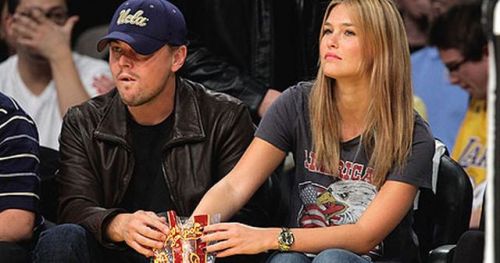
pixel 277 125
pixel 19 152
pixel 418 169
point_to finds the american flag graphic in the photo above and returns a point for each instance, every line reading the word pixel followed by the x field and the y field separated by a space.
pixel 335 205
pixel 314 213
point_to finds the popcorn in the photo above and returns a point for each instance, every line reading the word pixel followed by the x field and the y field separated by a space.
pixel 182 244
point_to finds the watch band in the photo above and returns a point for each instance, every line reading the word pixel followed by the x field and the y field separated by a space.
pixel 285 239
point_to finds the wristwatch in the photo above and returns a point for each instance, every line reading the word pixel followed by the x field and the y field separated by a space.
pixel 285 239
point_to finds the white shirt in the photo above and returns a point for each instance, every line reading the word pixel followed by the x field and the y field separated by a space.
pixel 44 108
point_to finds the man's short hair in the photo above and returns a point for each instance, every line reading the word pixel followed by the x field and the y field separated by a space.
pixel 460 28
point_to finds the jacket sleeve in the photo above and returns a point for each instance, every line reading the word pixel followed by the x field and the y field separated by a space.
pixel 80 200
pixel 213 72
pixel 233 142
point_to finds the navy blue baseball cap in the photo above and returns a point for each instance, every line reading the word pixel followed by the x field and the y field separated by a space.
pixel 146 25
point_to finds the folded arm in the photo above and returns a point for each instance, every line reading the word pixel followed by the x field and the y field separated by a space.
pixel 16 225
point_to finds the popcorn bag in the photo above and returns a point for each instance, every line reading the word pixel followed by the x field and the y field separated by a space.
pixel 182 244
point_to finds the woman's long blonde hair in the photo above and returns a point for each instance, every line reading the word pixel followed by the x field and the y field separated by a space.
pixel 388 131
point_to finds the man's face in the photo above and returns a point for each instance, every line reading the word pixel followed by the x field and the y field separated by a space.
pixel 472 76
pixel 55 10
pixel 140 79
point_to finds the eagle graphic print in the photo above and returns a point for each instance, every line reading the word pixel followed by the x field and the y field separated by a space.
pixel 343 202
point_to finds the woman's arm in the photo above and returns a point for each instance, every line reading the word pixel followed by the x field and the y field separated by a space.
pixel 235 189
pixel 384 213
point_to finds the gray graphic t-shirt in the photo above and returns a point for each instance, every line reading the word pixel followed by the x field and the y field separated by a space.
pixel 319 199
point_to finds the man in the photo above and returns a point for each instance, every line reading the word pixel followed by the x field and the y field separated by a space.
pixel 462 45
pixel 231 46
pixel 232 49
pixel 156 143
pixel 19 182
pixel 45 76
pixel 429 75
pixel 417 17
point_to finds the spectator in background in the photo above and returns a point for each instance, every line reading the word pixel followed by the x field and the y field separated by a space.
pixel 19 182
pixel 417 16
pixel 429 75
pixel 45 76
pixel 231 49
pixel 462 44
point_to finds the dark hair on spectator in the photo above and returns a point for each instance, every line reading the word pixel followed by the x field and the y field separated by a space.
pixel 460 28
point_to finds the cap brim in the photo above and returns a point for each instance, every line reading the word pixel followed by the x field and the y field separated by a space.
pixel 140 43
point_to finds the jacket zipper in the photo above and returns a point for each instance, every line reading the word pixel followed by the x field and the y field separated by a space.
pixel 170 191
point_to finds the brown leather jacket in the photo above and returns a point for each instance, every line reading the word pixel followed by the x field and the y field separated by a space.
pixel 210 133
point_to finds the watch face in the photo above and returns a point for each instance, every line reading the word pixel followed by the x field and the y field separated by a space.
pixel 287 237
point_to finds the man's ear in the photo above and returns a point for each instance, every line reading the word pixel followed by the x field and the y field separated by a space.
pixel 9 20
pixel 179 56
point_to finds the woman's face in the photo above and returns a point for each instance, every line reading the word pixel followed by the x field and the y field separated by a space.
pixel 340 47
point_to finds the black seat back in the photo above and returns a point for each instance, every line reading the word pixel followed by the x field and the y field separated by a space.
pixel 441 218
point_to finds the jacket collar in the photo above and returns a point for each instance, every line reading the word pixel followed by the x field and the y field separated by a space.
pixel 188 125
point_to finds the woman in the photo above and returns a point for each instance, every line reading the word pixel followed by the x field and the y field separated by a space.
pixel 361 152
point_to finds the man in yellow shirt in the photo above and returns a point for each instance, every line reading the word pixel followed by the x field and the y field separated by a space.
pixel 463 49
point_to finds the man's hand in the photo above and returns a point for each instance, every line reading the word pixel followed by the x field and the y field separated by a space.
pixel 36 32
pixel 141 230
pixel 103 84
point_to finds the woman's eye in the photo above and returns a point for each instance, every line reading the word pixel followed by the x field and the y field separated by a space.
pixel 349 33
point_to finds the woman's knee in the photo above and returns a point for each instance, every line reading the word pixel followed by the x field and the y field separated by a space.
pixel 288 257
pixel 338 255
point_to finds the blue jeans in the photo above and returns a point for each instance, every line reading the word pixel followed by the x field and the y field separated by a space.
pixel 70 243
pixel 326 256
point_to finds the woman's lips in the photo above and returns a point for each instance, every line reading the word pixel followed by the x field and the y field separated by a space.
pixel 330 56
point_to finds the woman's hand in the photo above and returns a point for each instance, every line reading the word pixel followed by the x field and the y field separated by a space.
pixel 236 238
